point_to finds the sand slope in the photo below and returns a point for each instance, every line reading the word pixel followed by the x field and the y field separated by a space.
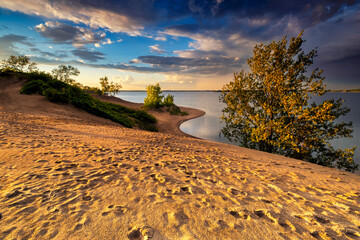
pixel 80 177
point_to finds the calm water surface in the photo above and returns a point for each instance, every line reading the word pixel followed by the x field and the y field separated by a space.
pixel 208 126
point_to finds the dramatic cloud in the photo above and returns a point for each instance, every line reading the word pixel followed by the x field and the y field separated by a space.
pixel 108 15
pixel 200 37
pixel 308 11
pixel 8 44
pixel 208 65
pixel 64 33
pixel 91 56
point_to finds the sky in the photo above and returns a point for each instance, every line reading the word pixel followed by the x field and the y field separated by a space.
pixel 181 44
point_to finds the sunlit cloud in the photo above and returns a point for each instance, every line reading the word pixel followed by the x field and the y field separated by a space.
pixel 64 33
pixel 77 12
pixel 156 49
pixel 160 38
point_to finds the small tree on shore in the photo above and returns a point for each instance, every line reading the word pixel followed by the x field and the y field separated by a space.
pixel 269 108
pixel 63 73
pixel 154 99
pixel 20 63
pixel 109 87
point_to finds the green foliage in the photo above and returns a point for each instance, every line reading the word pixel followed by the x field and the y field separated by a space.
pixel 168 101
pixel 18 64
pixel 153 98
pixel 109 87
pixel 57 95
pixel 35 86
pixel 269 108
pixel 175 110
pixel 105 86
pixel 58 91
pixel 63 73
pixel 92 90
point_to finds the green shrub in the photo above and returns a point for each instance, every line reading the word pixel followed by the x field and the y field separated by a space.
pixel 46 77
pixel 168 101
pixel 57 95
pixel 175 110
pixel 35 86
pixel 57 91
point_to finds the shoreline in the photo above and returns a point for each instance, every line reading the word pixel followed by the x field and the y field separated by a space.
pixel 66 174
pixel 166 123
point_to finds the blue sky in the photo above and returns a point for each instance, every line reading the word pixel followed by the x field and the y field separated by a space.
pixel 182 44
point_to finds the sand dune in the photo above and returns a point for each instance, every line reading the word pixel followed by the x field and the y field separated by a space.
pixel 65 174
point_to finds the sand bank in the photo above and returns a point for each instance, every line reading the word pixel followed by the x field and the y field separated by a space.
pixel 65 174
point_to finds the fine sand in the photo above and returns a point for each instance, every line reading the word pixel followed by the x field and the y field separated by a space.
pixel 65 174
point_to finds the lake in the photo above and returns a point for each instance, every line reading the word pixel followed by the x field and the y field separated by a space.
pixel 208 126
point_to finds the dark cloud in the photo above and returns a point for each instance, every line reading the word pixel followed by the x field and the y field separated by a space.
pixel 121 66
pixel 208 65
pixel 178 61
pixel 310 12
pixel 56 54
pixel 258 19
pixel 13 38
pixel 185 28
pixel 8 44
pixel 64 33
pixel 91 56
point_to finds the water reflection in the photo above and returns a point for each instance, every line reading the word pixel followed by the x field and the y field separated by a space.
pixel 208 126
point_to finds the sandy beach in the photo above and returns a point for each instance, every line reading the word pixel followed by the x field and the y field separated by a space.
pixel 66 174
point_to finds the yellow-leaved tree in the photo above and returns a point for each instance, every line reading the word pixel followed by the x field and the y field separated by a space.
pixel 271 109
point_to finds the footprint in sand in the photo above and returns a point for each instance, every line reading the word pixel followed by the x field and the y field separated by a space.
pixel 117 210
pixel 141 233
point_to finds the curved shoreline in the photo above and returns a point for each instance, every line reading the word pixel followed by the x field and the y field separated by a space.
pixel 192 117
pixel 167 123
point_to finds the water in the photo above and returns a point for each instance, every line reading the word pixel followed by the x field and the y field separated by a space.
pixel 208 126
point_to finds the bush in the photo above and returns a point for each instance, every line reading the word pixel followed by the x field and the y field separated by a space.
pixel 168 101
pixel 57 91
pixel 35 86
pixel 175 110
pixel 56 95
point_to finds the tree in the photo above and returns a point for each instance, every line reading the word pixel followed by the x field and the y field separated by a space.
pixel 106 87
pixel 270 108
pixel 153 98
pixel 19 64
pixel 63 73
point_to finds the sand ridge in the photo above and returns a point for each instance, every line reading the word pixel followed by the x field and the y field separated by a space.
pixel 83 178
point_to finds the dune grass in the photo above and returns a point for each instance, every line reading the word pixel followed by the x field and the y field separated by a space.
pixel 57 91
